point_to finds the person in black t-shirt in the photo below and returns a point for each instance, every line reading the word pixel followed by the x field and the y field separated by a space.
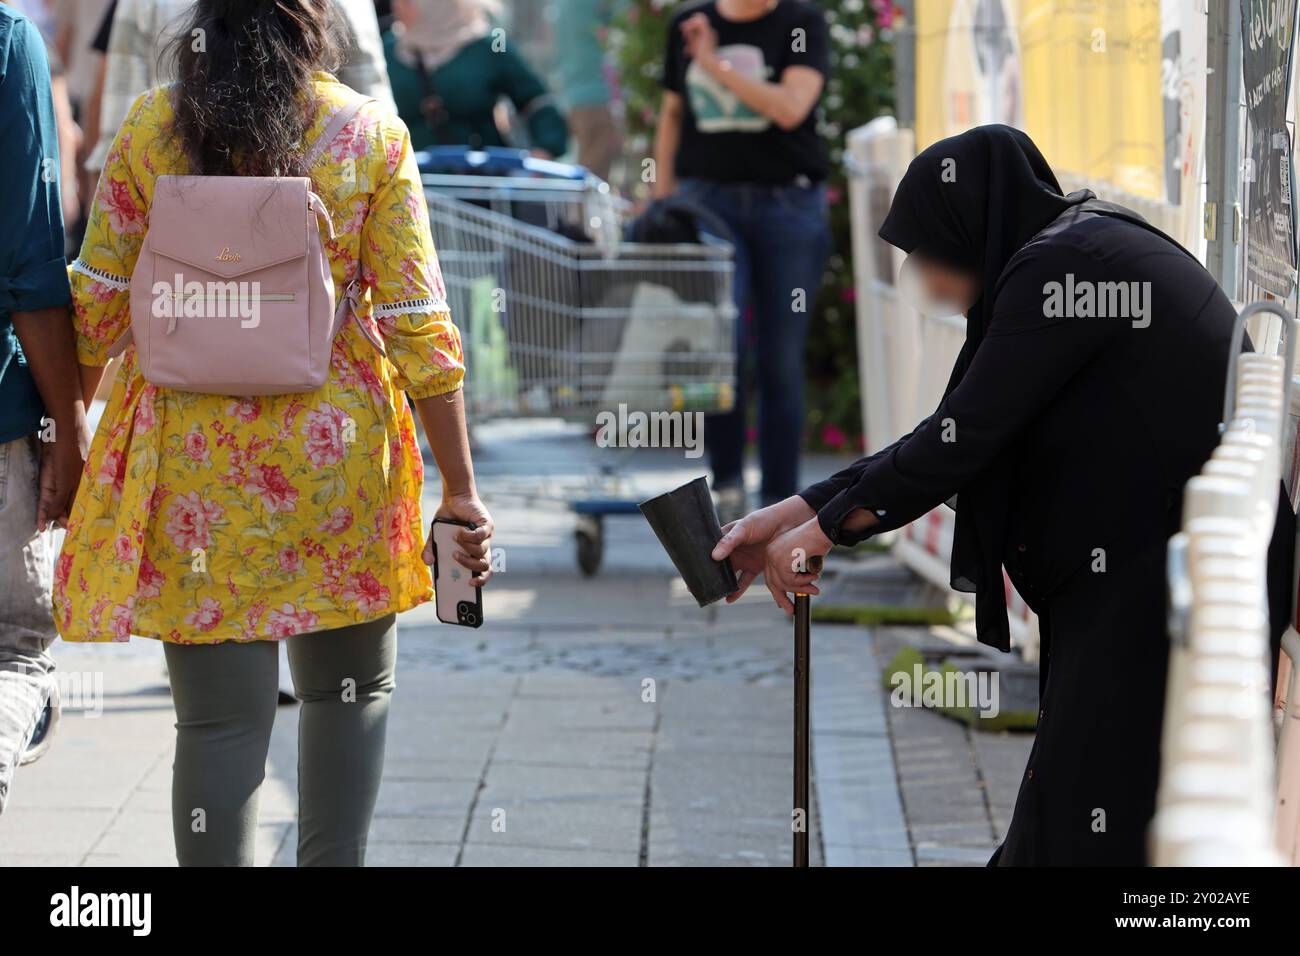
pixel 737 134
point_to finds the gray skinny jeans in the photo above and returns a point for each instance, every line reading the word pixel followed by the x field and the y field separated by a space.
pixel 226 695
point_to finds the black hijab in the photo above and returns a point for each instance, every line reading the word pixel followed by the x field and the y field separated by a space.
pixel 972 201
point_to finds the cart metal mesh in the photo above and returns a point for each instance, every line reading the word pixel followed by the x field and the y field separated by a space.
pixel 563 327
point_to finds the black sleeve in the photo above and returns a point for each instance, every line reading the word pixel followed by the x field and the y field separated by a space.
pixel 819 494
pixel 673 52
pixel 811 45
pixel 1023 362
pixel 100 42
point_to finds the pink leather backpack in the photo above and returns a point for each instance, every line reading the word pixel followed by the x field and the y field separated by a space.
pixel 232 293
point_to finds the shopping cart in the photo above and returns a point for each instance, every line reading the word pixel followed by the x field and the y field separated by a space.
pixel 560 318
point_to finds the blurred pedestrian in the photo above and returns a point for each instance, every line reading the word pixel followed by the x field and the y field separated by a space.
pixel 223 525
pixel 586 81
pixel 738 134
pixel 449 72
pixel 43 434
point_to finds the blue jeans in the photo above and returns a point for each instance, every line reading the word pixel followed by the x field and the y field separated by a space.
pixel 782 239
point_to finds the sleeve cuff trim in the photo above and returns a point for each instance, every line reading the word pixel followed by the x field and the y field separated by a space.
pixel 426 305
pixel 99 275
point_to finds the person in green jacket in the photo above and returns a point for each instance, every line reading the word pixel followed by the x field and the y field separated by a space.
pixel 449 68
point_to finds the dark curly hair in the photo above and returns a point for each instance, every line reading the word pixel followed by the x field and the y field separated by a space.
pixel 244 80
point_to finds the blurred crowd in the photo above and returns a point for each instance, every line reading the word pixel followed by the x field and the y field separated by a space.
pixel 449 67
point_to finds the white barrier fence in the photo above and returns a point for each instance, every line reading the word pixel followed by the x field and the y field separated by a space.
pixel 1216 800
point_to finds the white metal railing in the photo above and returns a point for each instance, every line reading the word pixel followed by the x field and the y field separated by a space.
pixel 1215 804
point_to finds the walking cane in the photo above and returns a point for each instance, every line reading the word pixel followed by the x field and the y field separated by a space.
pixel 801 816
pixel 801 648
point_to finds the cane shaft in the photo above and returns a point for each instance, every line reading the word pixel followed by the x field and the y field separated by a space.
pixel 802 645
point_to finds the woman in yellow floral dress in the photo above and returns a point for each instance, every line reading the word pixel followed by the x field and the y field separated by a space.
pixel 221 525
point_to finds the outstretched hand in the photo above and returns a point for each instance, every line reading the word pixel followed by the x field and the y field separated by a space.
pixel 746 541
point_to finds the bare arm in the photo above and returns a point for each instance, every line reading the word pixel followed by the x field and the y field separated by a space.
pixel 668 135
pixel 47 342
pixel 89 376
pixel 443 418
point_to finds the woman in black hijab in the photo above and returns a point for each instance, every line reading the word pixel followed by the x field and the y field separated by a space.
pixel 1087 393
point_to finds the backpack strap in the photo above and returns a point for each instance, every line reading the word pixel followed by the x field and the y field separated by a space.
pixel 349 297
pixel 332 129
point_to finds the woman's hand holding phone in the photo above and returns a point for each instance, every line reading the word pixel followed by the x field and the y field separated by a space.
pixel 475 547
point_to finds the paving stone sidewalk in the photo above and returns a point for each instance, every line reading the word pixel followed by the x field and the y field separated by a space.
pixel 531 741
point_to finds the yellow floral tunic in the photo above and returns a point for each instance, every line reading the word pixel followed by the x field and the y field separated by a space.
pixel 204 518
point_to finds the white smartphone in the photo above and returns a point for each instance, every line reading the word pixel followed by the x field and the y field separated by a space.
pixel 457 601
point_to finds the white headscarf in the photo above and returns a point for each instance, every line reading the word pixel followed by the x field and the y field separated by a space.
pixel 441 28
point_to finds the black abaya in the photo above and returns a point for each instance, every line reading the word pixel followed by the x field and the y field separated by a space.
pixel 1067 440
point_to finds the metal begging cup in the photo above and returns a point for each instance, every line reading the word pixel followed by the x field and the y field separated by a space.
pixel 687 526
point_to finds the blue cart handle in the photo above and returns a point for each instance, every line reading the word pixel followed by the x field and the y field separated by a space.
pixel 496 160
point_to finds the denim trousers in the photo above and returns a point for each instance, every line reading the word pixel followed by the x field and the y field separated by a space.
pixel 782 238
pixel 26 626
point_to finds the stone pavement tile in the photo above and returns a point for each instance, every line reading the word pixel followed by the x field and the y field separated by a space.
pixel 540 747
pixel 859 810
pixel 426 798
pixel 930 855
pixel 393 842
pixel 741 858
pixel 945 803
pixel 720 836
pixel 552 685
pixel 582 714
pixel 466 747
pixel 153 857
pixel 57 831
pixel 411 854
pixel 478 854
pixel 736 785
pixel 858 758
pixel 423 768
pixel 80 771
pixel 39 859
pixel 735 737
pixel 711 702
pixel 559 823
pixel 417 828
pixel 1002 759
pixel 513 784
